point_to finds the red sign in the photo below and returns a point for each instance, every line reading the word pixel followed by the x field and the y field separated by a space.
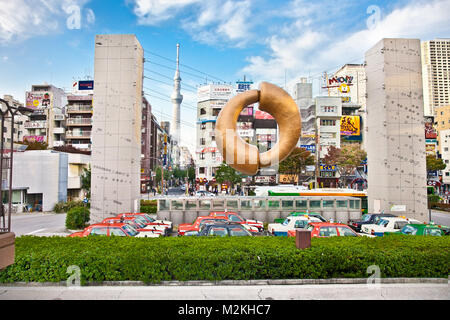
pixel 262 115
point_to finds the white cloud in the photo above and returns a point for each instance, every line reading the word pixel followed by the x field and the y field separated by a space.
pixel 21 19
pixel 211 21
pixel 312 47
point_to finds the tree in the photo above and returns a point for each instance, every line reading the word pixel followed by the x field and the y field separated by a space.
pixel 435 164
pixel 86 181
pixel 296 162
pixel 34 145
pixel 225 173
pixel 347 158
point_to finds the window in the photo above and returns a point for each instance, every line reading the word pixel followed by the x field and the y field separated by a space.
pixel 300 223
pixel 346 232
pixel 327 122
pixel 117 232
pixel 203 126
pixel 239 232
pixel 234 218
pixel 222 232
pixel 202 111
pixel 201 170
pixel 202 156
pixel 98 231
pixel 328 232
pixel 409 230
pixel 400 224
pixel 202 141
pixel 432 232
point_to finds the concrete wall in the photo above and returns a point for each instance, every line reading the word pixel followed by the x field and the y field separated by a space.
pixel 395 139
pixel 42 171
pixel 117 118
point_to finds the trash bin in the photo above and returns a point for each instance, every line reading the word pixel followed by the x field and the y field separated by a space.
pixel 7 244
pixel 302 239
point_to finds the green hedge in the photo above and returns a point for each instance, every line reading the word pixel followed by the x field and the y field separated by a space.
pixel 77 217
pixel 197 258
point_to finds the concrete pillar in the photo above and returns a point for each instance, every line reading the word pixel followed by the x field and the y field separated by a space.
pixel 395 129
pixel 116 127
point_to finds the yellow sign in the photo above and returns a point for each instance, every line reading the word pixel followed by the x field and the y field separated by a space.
pixel 288 178
pixel 35 103
pixel 344 88
pixel 350 126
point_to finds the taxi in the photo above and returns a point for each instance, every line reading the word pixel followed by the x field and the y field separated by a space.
pixel 234 217
pixel 387 224
pixel 114 229
pixel 290 223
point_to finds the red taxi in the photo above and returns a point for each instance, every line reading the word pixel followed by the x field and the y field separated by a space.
pixel 139 226
pixel 108 229
pixel 327 229
pixel 185 227
pixel 256 226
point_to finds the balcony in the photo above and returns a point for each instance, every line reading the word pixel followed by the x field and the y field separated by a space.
pixel 79 109
pixel 58 143
pixel 78 134
pixel 79 122
pixel 58 130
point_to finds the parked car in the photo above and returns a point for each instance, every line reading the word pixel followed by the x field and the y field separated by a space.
pixel 301 213
pixel 387 224
pixel 148 220
pixel 115 229
pixel 138 225
pixel 230 229
pixel 290 223
pixel 328 229
pixel 369 218
pixel 258 226
pixel 203 193
pixel 195 226
pixel 420 230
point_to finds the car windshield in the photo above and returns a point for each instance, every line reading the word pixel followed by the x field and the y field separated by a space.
pixel 376 220
pixel 238 232
pixel 130 230
pixel 383 223
pixel 141 219
pixel 409 230
pixel 286 222
pixel 150 219
pixel 366 217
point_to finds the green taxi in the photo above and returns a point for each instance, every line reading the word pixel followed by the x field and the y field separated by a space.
pixel 421 230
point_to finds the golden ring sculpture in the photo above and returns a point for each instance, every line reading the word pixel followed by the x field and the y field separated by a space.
pixel 245 157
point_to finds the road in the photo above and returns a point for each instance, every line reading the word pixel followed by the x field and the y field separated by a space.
pixel 424 291
pixel 440 217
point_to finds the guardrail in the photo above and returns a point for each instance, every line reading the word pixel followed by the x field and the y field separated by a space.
pixel 185 210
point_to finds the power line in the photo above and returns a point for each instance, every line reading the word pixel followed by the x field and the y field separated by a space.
pixel 183 104
pixel 183 72
pixel 184 65
pixel 170 78
pixel 168 84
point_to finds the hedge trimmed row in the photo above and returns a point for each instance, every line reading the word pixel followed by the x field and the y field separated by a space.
pixel 43 259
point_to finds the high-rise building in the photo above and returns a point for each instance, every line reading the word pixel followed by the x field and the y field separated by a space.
pixel 146 140
pixel 19 121
pixel 116 127
pixel 441 122
pixel 395 129
pixel 435 56
pixel 211 99
pixel 47 121
pixel 445 154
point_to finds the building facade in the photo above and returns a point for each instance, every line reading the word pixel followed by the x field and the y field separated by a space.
pixel 47 121
pixel 116 126
pixel 19 121
pixel 435 55
pixel 79 121
pixel 211 99
pixel 395 141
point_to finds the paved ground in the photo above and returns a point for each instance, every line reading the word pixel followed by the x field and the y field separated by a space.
pixel 256 292
pixel 440 217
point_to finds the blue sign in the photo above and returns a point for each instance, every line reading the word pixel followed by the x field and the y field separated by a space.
pixel 86 85
pixel 309 147
pixel 324 167
pixel 243 85
pixel 165 160
pixel 85 200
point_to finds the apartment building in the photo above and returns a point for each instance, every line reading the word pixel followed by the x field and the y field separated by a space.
pixel 435 57
pixel 79 121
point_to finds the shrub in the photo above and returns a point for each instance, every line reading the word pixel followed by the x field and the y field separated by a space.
pixel 77 217
pixel 66 206
pixel 148 209
pixel 241 258
pixel 152 203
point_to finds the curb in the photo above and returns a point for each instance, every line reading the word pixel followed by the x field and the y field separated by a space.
pixel 236 282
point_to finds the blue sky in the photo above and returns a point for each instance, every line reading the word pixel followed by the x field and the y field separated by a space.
pixel 275 41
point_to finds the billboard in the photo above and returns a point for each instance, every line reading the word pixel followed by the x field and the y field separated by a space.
pixel 262 115
pixel 430 132
pixel 430 149
pixel 35 100
pixel 242 86
pixel 86 85
pixel 247 111
pixel 310 147
pixel 288 178
pixel 350 126
pixel 324 167
pixel 33 138
pixel 214 91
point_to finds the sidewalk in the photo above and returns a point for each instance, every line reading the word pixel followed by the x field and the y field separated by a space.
pixel 419 291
